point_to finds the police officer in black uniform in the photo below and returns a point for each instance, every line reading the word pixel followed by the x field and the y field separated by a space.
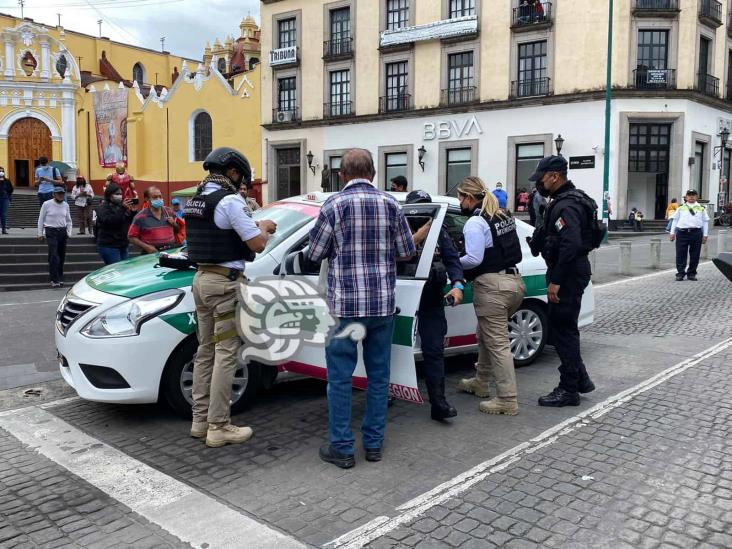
pixel 564 241
pixel 432 324
pixel 222 236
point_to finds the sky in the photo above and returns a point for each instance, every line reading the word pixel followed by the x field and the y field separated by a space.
pixel 186 24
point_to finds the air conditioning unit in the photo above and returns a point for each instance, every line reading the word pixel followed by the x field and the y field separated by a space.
pixel 285 116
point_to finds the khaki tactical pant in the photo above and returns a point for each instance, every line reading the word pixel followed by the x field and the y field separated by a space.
pixel 215 365
pixel 496 297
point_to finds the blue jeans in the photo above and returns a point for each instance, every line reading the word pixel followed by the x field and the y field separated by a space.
pixel 112 255
pixel 43 197
pixel 341 356
pixel 4 205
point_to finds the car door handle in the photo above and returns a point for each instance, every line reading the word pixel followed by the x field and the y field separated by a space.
pixel 397 311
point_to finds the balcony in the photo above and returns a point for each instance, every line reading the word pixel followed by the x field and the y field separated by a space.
pixel 458 96
pixel 338 109
pixel 656 8
pixel 531 88
pixel 395 103
pixel 285 115
pixel 707 84
pixel 654 79
pixel 283 57
pixel 532 17
pixel 341 48
pixel 710 13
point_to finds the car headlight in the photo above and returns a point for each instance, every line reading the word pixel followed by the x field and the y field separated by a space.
pixel 125 319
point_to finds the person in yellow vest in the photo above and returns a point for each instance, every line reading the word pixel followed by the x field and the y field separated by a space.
pixel 690 229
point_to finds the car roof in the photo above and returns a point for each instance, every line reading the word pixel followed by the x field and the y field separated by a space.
pixel 320 197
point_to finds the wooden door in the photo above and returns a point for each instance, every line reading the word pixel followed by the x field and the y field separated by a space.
pixel 28 140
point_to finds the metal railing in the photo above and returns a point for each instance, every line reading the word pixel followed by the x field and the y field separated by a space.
pixel 395 103
pixel 656 5
pixel 707 84
pixel 534 14
pixel 531 88
pixel 337 109
pixel 285 114
pixel 338 48
pixel 459 96
pixel 711 9
pixel 654 79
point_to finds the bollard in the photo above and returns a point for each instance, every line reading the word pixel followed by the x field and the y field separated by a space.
pixel 625 258
pixel 721 242
pixel 655 253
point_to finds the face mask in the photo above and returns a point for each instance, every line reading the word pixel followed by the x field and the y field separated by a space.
pixel 116 198
pixel 59 200
pixel 157 203
pixel 541 189
pixel 2 174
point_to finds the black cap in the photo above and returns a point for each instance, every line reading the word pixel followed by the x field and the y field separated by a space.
pixel 549 164
pixel 692 192
pixel 418 197
pixel 400 180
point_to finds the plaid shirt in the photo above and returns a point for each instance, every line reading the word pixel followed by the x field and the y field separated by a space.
pixel 361 231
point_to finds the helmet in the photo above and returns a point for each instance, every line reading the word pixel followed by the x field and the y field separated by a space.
pixel 418 197
pixel 226 157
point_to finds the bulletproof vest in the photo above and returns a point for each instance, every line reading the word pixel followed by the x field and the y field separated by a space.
pixel 207 243
pixel 506 250
pixel 587 207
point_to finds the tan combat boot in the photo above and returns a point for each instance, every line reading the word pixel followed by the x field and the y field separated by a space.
pixel 474 387
pixel 219 435
pixel 199 429
pixel 498 405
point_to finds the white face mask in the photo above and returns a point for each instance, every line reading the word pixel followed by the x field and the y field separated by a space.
pixel 2 174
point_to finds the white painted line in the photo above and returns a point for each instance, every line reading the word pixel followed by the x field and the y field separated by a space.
pixel 641 277
pixel 418 506
pixel 181 510
pixel 59 402
pixel 29 303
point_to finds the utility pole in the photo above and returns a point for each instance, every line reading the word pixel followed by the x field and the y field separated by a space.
pixel 608 116
pixel 100 27
pixel 59 19
pixel 22 8
pixel 162 43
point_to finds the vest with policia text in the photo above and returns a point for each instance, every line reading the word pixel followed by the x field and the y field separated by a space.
pixel 506 250
pixel 207 243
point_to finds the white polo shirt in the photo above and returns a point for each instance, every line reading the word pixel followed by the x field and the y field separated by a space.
pixel 690 216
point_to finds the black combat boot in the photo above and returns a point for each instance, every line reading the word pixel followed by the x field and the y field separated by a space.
pixel 440 409
pixel 559 397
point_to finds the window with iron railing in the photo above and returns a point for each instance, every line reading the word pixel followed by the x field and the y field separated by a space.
pixel 532 69
pixel 287 94
pixel 460 79
pixel 397 87
pixel 340 93
pixel 656 5
pixel 531 13
pixel 340 32
pixel 202 136
pixel 397 14
pixel 461 8
pixel 287 33
pixel 711 9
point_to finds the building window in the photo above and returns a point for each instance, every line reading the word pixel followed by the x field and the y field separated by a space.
pixel 652 56
pixel 138 74
pixel 532 69
pixel 394 164
pixel 397 87
pixel 221 65
pixel 61 65
pixel 287 32
pixel 287 94
pixel 202 140
pixel 527 156
pixel 699 156
pixel 397 14
pixel 340 25
pixel 340 93
pixel 649 147
pixel 459 166
pixel 461 8
pixel 334 165
pixel 288 173
pixel 460 78
pixel 253 62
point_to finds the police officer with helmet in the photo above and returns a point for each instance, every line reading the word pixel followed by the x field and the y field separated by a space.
pixel 222 236
pixel 564 241
pixel 432 324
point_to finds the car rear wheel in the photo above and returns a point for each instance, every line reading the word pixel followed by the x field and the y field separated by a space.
pixel 527 332
pixel 177 384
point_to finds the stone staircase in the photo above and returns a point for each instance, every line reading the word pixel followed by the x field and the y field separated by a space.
pixel 649 226
pixel 24 210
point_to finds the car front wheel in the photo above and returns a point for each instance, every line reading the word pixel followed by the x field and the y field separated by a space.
pixel 527 332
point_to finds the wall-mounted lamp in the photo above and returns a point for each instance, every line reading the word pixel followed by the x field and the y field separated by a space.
pixel 421 151
pixel 310 161
pixel 559 143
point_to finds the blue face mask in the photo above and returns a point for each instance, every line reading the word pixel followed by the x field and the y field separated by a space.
pixel 157 203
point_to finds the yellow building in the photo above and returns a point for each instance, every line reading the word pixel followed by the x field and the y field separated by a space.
pixel 89 102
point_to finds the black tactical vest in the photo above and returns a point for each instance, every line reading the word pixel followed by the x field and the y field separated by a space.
pixel 207 243
pixel 506 250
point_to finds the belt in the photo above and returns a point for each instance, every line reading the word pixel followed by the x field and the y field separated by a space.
pixel 691 230
pixel 231 274
pixel 509 271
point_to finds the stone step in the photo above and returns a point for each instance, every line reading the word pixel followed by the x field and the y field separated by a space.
pixel 41 248
pixel 16 281
pixel 73 265
pixel 10 259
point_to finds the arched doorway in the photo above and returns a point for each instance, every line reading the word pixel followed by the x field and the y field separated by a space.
pixel 28 140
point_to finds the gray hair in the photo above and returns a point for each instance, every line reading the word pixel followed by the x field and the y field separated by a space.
pixel 358 164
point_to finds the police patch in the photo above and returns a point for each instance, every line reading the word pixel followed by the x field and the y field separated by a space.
pixel 560 224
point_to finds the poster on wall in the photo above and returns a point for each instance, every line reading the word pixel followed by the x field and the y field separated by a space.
pixel 110 107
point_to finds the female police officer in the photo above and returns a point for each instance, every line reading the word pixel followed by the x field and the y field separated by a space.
pixel 492 251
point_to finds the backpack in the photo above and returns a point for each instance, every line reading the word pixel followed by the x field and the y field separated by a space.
pixel 595 232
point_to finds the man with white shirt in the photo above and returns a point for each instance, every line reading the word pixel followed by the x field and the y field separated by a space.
pixel 690 229
pixel 221 236
pixel 54 225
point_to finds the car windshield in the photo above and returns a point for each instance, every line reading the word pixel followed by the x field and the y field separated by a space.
pixel 289 217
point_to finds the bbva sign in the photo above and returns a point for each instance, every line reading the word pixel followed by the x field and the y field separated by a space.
pixel 451 129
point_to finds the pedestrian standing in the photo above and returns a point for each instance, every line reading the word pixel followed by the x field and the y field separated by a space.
pixel 670 211
pixel 362 232
pixel 501 195
pixel 431 321
pixel 82 194
pixel 538 205
pixel 47 179
pixel 690 229
pixel 222 236
pixel 399 184
pixel 54 225
pixel 564 242
pixel 6 197
pixel 244 190
pixel 154 228
pixel 492 255
pixel 113 221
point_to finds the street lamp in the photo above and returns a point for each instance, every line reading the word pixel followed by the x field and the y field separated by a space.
pixel 421 151
pixel 559 143
pixel 309 156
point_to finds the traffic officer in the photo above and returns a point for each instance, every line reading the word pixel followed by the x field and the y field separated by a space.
pixel 564 241
pixel 222 236
pixel 690 229
pixel 432 324
pixel 492 253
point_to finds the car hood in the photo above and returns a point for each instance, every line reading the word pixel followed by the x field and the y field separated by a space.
pixel 138 276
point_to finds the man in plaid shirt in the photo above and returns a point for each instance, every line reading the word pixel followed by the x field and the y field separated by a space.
pixel 362 232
